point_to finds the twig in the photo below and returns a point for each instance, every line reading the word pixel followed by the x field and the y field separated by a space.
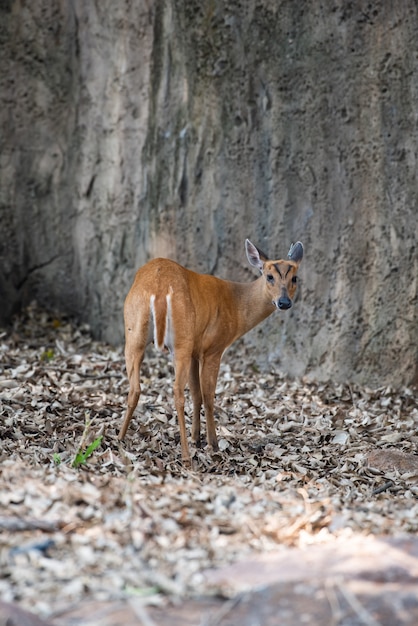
pixel 165 584
pixel 13 401
pixel 68 370
pixel 227 607
pixel 352 396
pixel 141 613
pixel 361 611
pixel 383 487
pixel 15 524
pixel 333 602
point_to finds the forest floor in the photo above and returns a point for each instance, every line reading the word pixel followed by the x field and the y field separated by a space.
pixel 314 482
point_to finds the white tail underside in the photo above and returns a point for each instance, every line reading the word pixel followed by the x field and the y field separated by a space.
pixel 168 336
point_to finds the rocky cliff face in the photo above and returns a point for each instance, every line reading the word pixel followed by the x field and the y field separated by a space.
pixel 170 128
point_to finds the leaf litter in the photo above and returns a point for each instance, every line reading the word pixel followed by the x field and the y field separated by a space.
pixel 300 463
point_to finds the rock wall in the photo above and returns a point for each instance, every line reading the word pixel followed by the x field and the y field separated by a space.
pixel 176 128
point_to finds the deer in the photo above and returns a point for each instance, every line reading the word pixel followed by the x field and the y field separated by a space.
pixel 197 317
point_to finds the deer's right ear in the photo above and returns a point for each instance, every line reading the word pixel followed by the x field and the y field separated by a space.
pixel 254 255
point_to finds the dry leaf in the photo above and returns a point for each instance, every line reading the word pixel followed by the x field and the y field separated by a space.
pixel 298 461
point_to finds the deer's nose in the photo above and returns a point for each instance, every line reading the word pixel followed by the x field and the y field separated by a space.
pixel 284 303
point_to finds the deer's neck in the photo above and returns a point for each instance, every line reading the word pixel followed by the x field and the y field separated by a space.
pixel 252 305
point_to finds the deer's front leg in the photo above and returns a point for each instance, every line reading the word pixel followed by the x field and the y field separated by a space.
pixel 208 377
pixel 196 392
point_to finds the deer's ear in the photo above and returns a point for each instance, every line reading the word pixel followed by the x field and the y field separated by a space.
pixel 254 255
pixel 296 252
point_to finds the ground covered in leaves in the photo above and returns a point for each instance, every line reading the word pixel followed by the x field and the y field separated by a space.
pixel 299 463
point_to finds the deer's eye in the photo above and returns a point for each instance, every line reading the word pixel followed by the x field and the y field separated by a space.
pixel 294 279
pixel 270 278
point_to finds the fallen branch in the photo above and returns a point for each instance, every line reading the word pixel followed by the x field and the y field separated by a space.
pixel 69 370
pixel 387 485
pixel 16 524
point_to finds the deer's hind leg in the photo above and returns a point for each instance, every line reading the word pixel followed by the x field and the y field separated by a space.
pixel 136 339
pixel 182 366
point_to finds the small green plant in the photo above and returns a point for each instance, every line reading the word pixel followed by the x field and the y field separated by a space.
pixel 142 592
pixel 83 453
pixel 47 355
pixel 56 458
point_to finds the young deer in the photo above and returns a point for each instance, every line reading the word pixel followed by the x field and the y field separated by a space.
pixel 197 316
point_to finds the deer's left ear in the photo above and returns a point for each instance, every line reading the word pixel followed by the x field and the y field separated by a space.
pixel 296 252
pixel 254 255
